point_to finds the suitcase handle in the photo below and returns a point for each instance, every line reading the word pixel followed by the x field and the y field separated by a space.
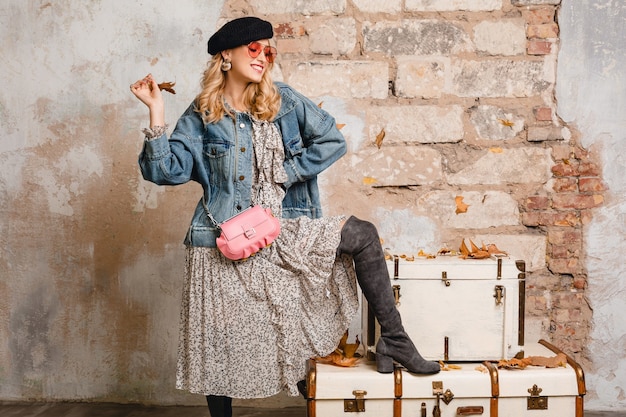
pixel 470 410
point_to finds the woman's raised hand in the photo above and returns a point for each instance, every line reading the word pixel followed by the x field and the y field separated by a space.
pixel 147 91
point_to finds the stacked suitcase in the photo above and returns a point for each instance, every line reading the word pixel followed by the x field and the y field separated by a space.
pixel 466 313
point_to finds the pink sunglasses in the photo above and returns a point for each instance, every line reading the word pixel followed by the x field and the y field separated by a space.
pixel 255 48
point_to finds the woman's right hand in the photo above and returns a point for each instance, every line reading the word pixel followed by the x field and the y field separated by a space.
pixel 148 92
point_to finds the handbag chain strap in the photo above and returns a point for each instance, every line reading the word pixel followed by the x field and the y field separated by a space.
pixel 209 215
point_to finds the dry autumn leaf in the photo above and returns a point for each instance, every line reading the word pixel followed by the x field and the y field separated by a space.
pixel 560 360
pixel 506 122
pixel 449 366
pixel 461 207
pixel 380 137
pixel 463 249
pixel 474 253
pixel 493 250
pixel 340 126
pixel 338 359
pixel 169 87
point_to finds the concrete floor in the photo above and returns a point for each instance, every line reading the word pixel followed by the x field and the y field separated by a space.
pixel 120 410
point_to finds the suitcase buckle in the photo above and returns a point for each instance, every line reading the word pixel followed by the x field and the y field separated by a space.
pixel 535 401
pixel 356 405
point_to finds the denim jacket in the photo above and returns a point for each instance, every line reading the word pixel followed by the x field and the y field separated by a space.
pixel 219 157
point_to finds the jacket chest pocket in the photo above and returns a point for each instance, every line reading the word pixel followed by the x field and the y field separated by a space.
pixel 215 155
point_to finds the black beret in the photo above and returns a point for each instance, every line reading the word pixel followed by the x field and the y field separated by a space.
pixel 239 32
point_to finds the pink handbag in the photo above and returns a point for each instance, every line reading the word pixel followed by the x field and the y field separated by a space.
pixel 247 233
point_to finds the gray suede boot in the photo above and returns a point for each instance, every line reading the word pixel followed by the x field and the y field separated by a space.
pixel 360 240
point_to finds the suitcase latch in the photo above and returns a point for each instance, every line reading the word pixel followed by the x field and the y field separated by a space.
pixel 535 401
pixel 446 397
pixel 357 404
pixel 499 294
pixel 444 278
pixel 396 294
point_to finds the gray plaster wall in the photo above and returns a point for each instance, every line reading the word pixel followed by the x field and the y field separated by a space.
pixel 591 93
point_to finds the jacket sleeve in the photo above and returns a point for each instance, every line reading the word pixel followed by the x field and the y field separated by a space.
pixel 171 161
pixel 322 143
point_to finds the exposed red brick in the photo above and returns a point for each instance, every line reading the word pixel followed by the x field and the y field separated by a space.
pixel 586 216
pixel 550 218
pixel 580 283
pixel 566 184
pixel 559 252
pixel 576 201
pixel 564 266
pixel 537 202
pixel 539 15
pixel 565 237
pixel 543 114
pixel 591 185
pixel 536 47
pixel 543 31
pixel 581 153
pixel 588 169
pixel 561 152
pixel 566 219
pixel 533 219
pixel 566 168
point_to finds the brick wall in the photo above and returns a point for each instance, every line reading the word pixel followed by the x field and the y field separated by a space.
pixel 463 91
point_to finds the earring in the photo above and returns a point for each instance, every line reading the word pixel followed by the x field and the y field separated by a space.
pixel 226 65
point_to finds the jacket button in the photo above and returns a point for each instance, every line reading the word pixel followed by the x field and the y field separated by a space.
pixel 241 178
pixel 243 149
pixel 242 125
pixel 238 207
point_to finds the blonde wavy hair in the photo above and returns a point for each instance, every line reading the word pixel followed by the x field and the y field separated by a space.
pixel 263 98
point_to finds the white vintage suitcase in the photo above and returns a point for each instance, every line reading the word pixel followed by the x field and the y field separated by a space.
pixel 476 389
pixel 458 309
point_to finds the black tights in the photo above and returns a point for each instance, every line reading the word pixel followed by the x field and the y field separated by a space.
pixel 220 406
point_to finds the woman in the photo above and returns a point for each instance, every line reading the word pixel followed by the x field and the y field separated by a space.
pixel 247 328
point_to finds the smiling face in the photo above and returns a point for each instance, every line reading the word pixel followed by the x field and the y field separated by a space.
pixel 246 69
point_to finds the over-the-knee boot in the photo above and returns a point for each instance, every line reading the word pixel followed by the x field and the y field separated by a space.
pixel 361 240
pixel 220 406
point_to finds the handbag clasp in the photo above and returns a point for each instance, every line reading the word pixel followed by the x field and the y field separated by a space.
pixel 249 232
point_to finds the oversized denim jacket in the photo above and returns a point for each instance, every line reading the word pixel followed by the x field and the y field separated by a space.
pixel 219 157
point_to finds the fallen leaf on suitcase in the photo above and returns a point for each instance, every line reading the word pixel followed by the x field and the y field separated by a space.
pixel 481 368
pixel 348 349
pixel 463 249
pixel 474 253
pixel 337 359
pixel 513 363
pixel 425 254
pixel 446 252
pixel 493 250
pixel 560 360
pixel 449 366
pixel 345 355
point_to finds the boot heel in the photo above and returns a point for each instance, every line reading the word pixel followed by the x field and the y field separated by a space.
pixel 384 363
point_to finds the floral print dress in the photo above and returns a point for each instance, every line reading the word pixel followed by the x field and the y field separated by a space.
pixel 247 328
